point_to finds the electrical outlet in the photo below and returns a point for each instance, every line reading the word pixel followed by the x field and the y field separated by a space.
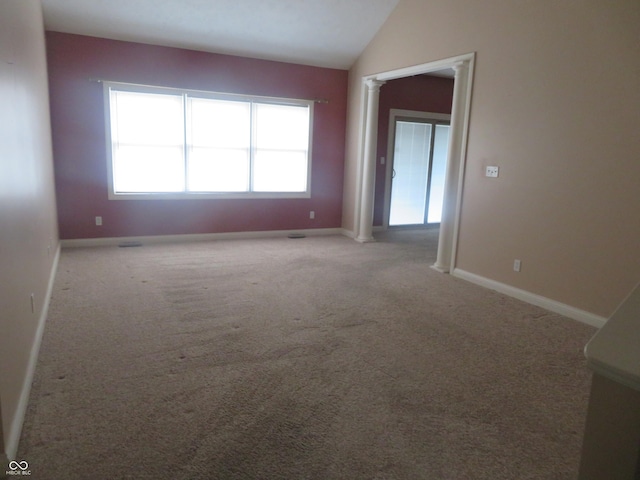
pixel 98 221
pixel 382 160
pixel 516 265
pixel 312 214
pixel 492 171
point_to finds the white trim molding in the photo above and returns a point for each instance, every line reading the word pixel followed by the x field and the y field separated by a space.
pixel 538 300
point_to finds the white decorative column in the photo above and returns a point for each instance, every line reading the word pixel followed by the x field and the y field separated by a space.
pixel 450 204
pixel 365 228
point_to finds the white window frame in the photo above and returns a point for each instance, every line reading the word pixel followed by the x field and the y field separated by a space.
pixel 108 86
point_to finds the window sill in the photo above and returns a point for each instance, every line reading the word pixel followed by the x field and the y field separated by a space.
pixel 208 196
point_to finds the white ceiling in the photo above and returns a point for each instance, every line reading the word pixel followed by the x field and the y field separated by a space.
pixel 327 33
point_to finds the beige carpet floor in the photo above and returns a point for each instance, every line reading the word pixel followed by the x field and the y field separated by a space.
pixel 314 358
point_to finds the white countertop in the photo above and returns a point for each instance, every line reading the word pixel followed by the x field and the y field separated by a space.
pixel 614 351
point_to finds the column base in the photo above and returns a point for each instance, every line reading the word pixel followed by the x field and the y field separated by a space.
pixel 439 268
pixel 365 239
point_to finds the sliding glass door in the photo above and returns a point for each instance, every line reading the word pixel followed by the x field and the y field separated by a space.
pixel 419 165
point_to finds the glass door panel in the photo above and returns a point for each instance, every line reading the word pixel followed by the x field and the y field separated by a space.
pixel 438 170
pixel 410 173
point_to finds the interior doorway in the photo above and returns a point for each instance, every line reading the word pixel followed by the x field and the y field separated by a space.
pixel 418 149
pixel 463 66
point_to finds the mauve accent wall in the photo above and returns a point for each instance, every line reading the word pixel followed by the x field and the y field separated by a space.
pixel 77 114
pixel 422 93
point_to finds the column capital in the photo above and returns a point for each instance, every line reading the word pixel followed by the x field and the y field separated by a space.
pixel 459 67
pixel 374 84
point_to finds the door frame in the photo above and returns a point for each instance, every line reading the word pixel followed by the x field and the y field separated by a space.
pixel 463 66
pixel 394 113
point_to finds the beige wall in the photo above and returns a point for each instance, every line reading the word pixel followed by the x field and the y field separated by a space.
pixel 28 226
pixel 556 105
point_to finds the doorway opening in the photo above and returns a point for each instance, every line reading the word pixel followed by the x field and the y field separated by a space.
pixel 463 66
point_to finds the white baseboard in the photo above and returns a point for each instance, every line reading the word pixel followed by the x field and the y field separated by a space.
pixel 349 233
pixel 196 237
pixel 538 300
pixel 15 429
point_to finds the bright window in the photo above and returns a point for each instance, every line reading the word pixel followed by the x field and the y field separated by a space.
pixel 176 144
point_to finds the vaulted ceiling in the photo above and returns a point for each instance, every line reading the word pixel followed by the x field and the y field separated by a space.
pixel 327 33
